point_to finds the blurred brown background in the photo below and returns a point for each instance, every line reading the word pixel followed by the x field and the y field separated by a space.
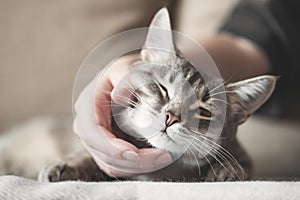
pixel 42 44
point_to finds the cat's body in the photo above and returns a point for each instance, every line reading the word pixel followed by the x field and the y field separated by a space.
pixel 193 118
pixel 36 143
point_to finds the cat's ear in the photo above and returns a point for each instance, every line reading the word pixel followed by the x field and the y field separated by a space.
pixel 248 95
pixel 159 46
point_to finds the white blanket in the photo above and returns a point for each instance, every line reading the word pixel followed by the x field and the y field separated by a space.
pixel 12 187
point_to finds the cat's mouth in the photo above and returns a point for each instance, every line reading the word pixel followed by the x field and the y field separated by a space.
pixel 165 133
pixel 168 136
pixel 164 129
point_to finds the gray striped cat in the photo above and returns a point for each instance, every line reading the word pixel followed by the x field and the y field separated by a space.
pixel 176 95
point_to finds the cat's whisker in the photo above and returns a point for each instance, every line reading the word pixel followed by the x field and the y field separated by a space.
pixel 212 144
pixel 216 109
pixel 130 88
pixel 218 86
pixel 199 133
pixel 196 158
pixel 207 160
pixel 221 100
pixel 132 103
pixel 136 95
pixel 125 98
pixel 224 159
pixel 223 92
pixel 212 151
pixel 208 151
pixel 197 162
pixel 227 92
pixel 139 97
pixel 215 152
pixel 228 154
pixel 189 155
pixel 188 148
pixel 222 151
pixel 114 105
pixel 198 116
pixel 223 155
pixel 110 92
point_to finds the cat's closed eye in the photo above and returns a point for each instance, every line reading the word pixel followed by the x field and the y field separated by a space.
pixel 163 91
pixel 206 95
pixel 203 114
pixel 133 100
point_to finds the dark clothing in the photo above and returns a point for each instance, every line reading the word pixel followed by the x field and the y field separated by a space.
pixel 274 26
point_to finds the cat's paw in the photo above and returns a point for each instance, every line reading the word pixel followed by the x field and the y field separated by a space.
pixel 56 172
pixel 81 168
pixel 225 173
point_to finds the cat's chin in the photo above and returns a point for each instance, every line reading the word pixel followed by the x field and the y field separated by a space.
pixel 164 141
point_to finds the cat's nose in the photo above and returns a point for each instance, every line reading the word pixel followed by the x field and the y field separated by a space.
pixel 171 118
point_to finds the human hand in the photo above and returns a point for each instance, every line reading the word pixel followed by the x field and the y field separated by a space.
pixel 116 157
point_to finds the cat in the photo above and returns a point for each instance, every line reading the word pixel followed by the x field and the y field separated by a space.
pixel 36 143
pixel 202 154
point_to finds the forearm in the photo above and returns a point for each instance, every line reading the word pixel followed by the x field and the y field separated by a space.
pixel 236 58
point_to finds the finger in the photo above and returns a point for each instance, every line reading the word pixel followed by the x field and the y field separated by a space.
pixel 123 165
pixel 155 157
pixel 114 147
pixel 96 136
pixel 91 133
pixel 145 164
pixel 101 139
pixel 111 171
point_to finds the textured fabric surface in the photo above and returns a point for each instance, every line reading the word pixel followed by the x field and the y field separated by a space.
pixel 12 187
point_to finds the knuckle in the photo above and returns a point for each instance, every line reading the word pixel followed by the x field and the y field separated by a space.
pixel 108 160
pixel 114 154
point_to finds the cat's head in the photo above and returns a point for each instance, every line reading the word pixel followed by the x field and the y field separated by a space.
pixel 172 106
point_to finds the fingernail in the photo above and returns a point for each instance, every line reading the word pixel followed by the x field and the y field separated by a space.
pixel 163 159
pixel 130 155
